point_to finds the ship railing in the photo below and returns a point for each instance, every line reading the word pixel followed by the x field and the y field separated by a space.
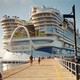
pixel 70 66
pixel 5 65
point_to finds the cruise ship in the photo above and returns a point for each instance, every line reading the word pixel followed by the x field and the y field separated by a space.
pixel 42 35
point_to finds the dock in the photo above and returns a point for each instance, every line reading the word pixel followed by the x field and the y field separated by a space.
pixel 48 69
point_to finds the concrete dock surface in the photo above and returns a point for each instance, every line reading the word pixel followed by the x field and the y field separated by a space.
pixel 49 69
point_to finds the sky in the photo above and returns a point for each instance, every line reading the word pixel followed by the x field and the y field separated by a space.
pixel 22 8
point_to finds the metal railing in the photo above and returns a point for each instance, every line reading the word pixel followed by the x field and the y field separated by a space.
pixel 9 65
pixel 70 66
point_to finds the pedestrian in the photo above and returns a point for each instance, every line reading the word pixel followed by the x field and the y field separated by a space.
pixel 39 60
pixel 31 59
pixel 0 76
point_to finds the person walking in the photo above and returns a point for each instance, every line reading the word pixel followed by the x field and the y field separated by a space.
pixel 31 59
pixel 39 60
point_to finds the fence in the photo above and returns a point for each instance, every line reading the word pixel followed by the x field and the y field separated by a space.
pixel 9 65
pixel 70 66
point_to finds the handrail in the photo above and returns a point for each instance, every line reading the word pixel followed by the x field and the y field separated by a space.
pixel 9 65
pixel 68 65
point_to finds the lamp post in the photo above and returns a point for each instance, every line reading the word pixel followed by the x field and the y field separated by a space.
pixel 64 23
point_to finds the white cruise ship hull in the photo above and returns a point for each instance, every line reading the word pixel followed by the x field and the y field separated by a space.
pixel 42 47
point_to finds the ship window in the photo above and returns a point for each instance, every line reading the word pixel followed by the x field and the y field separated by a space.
pixel 57 13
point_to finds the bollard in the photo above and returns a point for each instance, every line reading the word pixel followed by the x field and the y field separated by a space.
pixel 0 76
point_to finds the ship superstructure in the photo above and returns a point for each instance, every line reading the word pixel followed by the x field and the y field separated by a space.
pixel 47 24
pixel 9 24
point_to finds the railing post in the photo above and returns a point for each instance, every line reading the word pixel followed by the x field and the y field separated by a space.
pixel 71 67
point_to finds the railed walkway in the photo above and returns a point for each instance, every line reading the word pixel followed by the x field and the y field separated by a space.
pixel 49 69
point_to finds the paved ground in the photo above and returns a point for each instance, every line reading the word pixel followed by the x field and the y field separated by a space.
pixel 49 69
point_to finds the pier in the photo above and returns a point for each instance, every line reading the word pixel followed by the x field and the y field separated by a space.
pixel 49 69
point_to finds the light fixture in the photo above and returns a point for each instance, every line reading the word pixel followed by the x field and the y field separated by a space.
pixel 64 26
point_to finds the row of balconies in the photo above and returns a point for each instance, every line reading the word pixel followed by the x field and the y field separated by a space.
pixel 35 19
pixel 46 24
pixel 44 14
pixel 44 20
pixel 8 32
pixel 9 28
pixel 11 24
pixel 11 21
pixel 38 17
